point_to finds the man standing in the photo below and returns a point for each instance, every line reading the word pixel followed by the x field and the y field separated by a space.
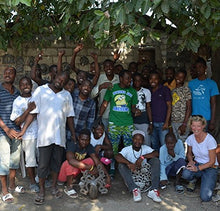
pixel 53 109
pixel 84 107
pixel 123 99
pixel 204 92
pixel 9 146
pixel 106 80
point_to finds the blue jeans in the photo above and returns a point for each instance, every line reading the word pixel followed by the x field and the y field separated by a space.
pixel 208 181
pixel 158 135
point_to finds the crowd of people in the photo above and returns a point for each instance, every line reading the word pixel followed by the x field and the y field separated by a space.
pixel 125 119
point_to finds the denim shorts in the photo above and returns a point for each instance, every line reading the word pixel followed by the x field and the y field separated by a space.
pixel 10 151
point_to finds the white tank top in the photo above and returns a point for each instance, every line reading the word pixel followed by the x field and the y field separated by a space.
pixel 99 141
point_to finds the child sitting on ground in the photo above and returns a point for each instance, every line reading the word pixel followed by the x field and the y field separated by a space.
pixel 80 156
pixel 172 161
pixel 101 142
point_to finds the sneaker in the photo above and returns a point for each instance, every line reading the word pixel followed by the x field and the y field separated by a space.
pixel 155 195
pixel 191 186
pixel 216 198
pixel 137 195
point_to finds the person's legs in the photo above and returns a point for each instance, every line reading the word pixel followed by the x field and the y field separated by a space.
pixel 208 182
pixel 43 166
pixel 155 137
pixel 29 147
pixel 162 134
pixel 15 152
pixel 4 162
pixel 144 128
pixel 155 172
pixel 126 132
pixel 127 176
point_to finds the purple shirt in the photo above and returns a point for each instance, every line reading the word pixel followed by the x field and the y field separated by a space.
pixel 159 100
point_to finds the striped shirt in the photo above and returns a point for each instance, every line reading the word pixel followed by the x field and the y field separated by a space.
pixel 6 102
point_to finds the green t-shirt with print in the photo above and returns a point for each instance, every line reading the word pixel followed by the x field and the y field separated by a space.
pixel 121 101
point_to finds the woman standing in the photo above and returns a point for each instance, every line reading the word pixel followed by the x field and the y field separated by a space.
pixel 202 158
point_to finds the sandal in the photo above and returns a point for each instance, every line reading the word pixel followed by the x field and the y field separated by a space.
pixel 18 189
pixel 179 189
pixel 71 193
pixel 56 193
pixel 8 198
pixel 39 199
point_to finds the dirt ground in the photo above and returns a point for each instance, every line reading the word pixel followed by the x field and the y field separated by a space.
pixel 118 199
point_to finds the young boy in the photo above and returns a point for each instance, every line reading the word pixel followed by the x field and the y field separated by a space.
pixel 143 118
pixel 161 110
pixel 172 160
pixel 101 142
pixel 80 156
pixel 21 108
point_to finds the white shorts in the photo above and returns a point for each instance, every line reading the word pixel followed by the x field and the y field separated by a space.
pixel 30 150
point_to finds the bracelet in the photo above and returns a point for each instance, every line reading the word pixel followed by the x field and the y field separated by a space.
pixel 198 168
pixel 91 168
pixel 169 126
pixel 142 157
pixel 151 123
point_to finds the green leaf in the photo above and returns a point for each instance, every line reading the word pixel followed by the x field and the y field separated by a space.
pixel 165 7
pixel 26 2
pixel 138 5
pixel 186 31
pixel 207 12
pixel 146 6
pixel 129 7
pixel 99 12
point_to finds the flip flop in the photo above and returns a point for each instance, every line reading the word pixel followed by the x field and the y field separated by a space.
pixel 179 189
pixel 18 189
pixel 39 199
pixel 56 193
pixel 71 193
pixel 8 198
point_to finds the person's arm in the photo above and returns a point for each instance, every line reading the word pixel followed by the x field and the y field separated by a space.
pixel 183 127
pixel 31 106
pixel 121 159
pixel 212 157
pixel 76 50
pixel 97 162
pixel 70 123
pixel 97 71
pixel 105 146
pixel 59 61
pixel 103 107
pixel 34 75
pixel 167 121
pixel 28 121
pixel 11 133
pixel 151 155
pixel 211 125
pixel 75 163
pixel 149 114
pixel 189 155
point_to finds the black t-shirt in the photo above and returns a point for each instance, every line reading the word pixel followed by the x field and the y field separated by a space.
pixel 79 153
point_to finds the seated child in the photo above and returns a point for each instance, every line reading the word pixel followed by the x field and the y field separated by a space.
pixel 101 142
pixel 172 161
pixel 80 156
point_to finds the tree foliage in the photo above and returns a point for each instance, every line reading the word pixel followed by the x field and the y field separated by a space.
pixel 105 22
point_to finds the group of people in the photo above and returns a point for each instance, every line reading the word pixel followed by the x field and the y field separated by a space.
pixel 124 118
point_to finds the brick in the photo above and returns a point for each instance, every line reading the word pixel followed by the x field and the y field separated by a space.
pixel 68 51
pixel 58 44
pixel 50 52
pixel 47 60
pixel 31 52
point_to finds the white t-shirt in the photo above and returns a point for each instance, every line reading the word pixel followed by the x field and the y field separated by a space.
pixel 52 109
pixel 20 105
pixel 94 142
pixel 201 150
pixel 144 96
pixel 131 155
